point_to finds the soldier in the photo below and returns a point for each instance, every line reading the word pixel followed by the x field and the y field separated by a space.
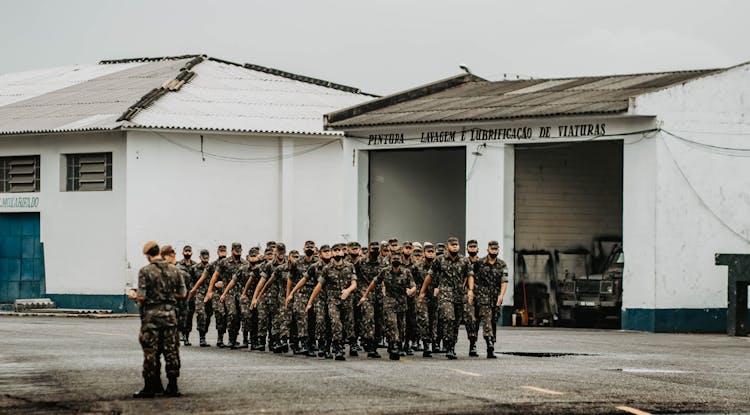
pixel 470 310
pixel 322 326
pixel 370 311
pixel 340 280
pixel 449 272
pixel 411 342
pixel 187 266
pixel 299 296
pixel 159 286
pixel 399 285
pixel 353 250
pixel 227 307
pixel 274 284
pixel 246 277
pixel 202 310
pixel 261 302
pixel 384 252
pixel 439 249
pixel 201 289
pixel 422 309
pixel 491 283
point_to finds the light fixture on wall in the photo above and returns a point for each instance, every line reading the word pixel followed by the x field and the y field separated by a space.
pixel 476 152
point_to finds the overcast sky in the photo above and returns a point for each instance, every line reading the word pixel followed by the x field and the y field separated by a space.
pixel 385 46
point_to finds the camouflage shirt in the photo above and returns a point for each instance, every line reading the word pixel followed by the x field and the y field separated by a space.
pixel 208 270
pixel 449 276
pixel 244 273
pixel 419 272
pixel 188 272
pixel 285 271
pixel 227 267
pixel 314 273
pixel 336 278
pixel 396 283
pixel 366 272
pixel 198 270
pixel 305 266
pixel 158 283
pixel 488 280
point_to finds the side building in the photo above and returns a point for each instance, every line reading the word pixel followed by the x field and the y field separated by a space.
pixel 560 171
pixel 97 159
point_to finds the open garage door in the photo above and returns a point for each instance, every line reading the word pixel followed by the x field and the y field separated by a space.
pixel 568 205
pixel 418 194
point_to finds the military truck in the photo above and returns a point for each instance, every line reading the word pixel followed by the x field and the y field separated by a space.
pixel 586 298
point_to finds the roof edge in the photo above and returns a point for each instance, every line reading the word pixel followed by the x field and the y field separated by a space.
pixel 409 94
pixel 307 79
pixel 147 59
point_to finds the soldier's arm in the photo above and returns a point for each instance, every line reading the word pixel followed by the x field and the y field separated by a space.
pixel 288 287
pixel 367 291
pixel 211 284
pixel 299 285
pixel 353 286
pixel 503 286
pixel 314 294
pixel 470 281
pixel 258 289
pixel 247 285
pixel 412 286
pixel 141 293
pixel 229 286
pixel 181 290
pixel 425 284
pixel 198 283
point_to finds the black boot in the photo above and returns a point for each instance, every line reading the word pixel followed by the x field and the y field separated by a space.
pixel 353 348
pixel 260 344
pixel 147 391
pixel 202 341
pixel 310 348
pixel 233 344
pixel 416 346
pixel 321 348
pixel 436 347
pixel 327 354
pixel 450 352
pixel 284 345
pixel 186 339
pixel 473 347
pixel 426 350
pixel 245 341
pixel 393 351
pixel 172 389
pixel 490 348
pixel 407 349
pixel 220 341
pixel 338 350
pixel 157 386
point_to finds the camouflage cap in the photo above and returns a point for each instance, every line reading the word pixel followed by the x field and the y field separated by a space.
pixel 339 246
pixel 440 245
pixel 268 251
pixel 149 246
pixel 187 248
pixel 493 244
pixel 472 243
pixel 270 244
pixel 236 246
pixel 353 244
pixel 204 253
pixel 325 248
pixel 222 247
pixel 374 244
pixel 294 252
pixel 280 248
pixel 407 244
pixel 309 244
pixel 253 251
pixel 383 243
pixel 428 246
pixel 393 242
pixel 417 245
pixel 417 250
pixel 452 240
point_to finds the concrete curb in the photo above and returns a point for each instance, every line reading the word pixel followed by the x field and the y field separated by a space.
pixel 67 315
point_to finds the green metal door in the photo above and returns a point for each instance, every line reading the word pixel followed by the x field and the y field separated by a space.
pixel 21 257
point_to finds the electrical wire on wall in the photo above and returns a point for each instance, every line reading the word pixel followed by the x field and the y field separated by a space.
pixel 264 159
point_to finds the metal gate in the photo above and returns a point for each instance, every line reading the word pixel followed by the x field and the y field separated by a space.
pixel 21 257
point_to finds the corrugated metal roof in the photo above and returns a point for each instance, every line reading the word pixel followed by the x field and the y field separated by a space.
pixel 476 99
pixel 145 93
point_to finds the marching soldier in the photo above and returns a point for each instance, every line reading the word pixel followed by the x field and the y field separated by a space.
pixel 226 307
pixel 299 296
pixel 201 289
pixel 246 277
pixel 159 286
pixel 491 283
pixel 470 310
pixel 369 310
pixel 187 266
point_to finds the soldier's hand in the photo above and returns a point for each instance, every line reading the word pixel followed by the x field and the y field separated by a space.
pixel 471 297
pixel 243 298
pixel 132 294
pixel 436 291
pixel 193 292
pixel 209 294
pixel 420 298
pixel 308 307
pixel 344 294
pixel 222 298
pixel 361 301
pixel 219 284
pixel 411 291
pixel 254 303
pixel 499 301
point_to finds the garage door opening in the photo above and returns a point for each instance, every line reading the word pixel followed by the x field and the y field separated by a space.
pixel 568 233
pixel 417 194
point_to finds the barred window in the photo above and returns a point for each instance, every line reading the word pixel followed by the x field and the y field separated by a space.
pixel 19 174
pixel 92 171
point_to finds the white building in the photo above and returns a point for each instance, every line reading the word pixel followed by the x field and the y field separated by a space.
pixel 661 160
pixel 98 159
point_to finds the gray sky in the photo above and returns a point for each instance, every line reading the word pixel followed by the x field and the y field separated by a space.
pixel 385 46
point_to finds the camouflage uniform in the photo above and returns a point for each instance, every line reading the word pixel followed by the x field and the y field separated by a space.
pixel 321 330
pixel 283 272
pixel 371 310
pixel 266 307
pixel 426 310
pixel 469 316
pixel 158 282
pixel 448 275
pixel 411 334
pixel 302 318
pixel 203 311
pixel 394 301
pixel 487 282
pixel 248 317
pixel 336 278
pixel 227 315
pixel 187 306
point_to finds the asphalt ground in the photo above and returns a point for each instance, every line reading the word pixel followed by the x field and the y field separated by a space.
pixel 79 365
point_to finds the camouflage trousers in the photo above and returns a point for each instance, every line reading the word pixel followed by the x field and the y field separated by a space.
pixel 189 313
pixel 367 317
pixel 281 319
pixel 302 318
pixel 488 316
pixel 248 318
pixel 156 342
pixel 469 318
pixel 181 314
pixel 395 328
pixel 341 315
pixel 226 314
pixel 426 314
pixel 203 313
pixel 411 333
pixel 322 326
pixel 450 316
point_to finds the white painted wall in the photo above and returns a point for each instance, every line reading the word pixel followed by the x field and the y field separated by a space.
pixel 83 232
pixel 275 188
pixel 702 195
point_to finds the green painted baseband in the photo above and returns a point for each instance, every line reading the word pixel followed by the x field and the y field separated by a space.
pixel 116 303
pixel 676 320
pixel 506 316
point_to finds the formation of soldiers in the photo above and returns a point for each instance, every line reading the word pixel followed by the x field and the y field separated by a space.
pixel 408 297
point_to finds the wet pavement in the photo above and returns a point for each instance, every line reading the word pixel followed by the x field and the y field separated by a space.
pixel 80 365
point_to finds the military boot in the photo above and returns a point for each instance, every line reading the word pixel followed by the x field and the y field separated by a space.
pixel 327 354
pixel 416 346
pixel 294 345
pixel 186 339
pixel 426 350
pixel 233 344
pixel 393 351
pixel 220 342
pixel 321 348
pixel 372 349
pixel 284 345
pixel 338 351
pixel 245 340
pixel 172 390
pixel 407 349
pixel 202 341
pixel 309 349
pixel 436 347
pixel 473 347
pixel 147 391
pixel 450 352
pixel 260 344
pixel 353 348
pixel 157 386
pixel 490 348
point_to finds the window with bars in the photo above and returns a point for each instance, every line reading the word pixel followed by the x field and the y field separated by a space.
pixel 19 174
pixel 86 172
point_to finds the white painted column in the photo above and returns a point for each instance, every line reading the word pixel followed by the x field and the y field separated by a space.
pixel 286 193
pixel 350 192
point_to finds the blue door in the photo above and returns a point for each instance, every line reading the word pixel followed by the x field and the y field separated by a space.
pixel 21 257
